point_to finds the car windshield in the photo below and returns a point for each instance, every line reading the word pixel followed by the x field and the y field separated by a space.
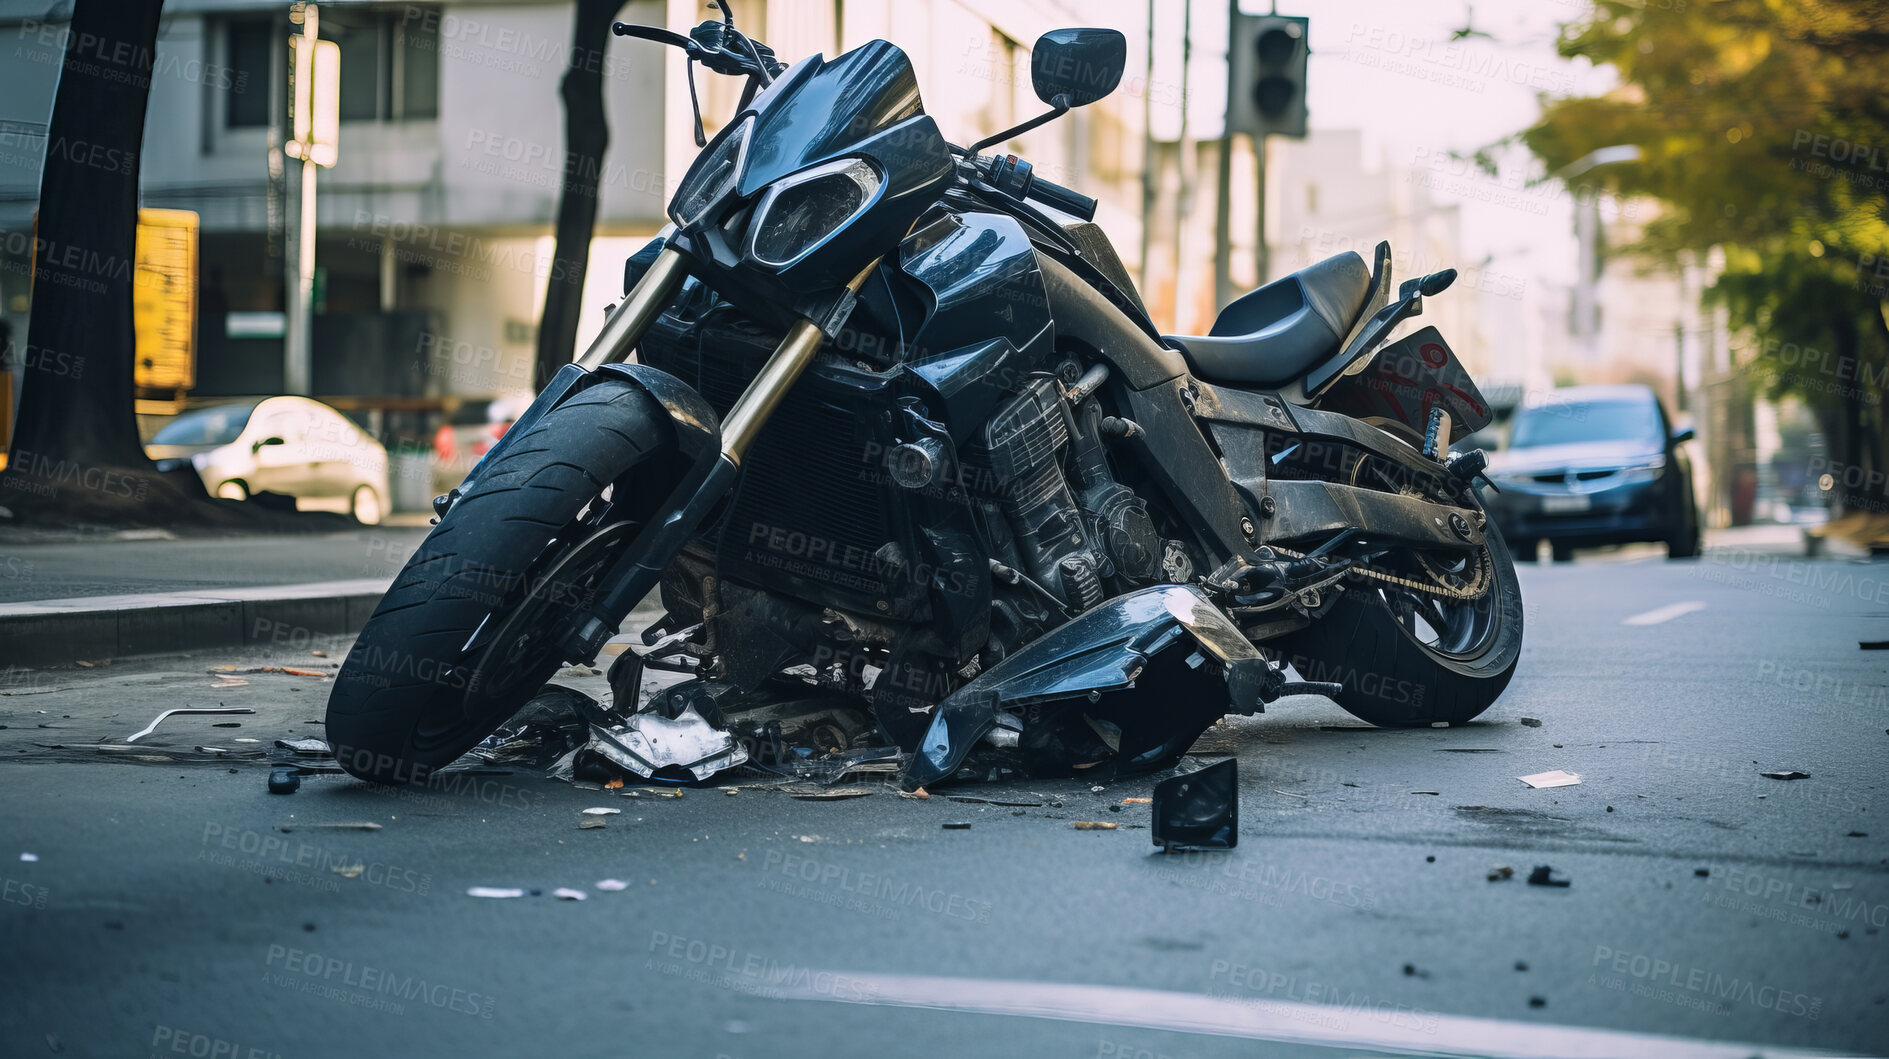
pixel 206 426
pixel 1573 422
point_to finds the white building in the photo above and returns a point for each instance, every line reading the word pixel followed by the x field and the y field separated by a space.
pixel 434 227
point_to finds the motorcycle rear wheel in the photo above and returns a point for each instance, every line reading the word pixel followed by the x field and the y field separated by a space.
pixel 1398 669
pixel 410 698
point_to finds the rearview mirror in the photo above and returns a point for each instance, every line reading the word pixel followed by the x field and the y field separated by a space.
pixel 1076 67
pixel 1683 435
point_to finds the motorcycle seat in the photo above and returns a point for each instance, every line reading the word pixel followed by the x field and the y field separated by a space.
pixel 1273 335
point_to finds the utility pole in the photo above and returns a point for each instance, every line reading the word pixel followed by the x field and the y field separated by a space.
pixel 315 118
pixel 1148 175
pixel 1223 183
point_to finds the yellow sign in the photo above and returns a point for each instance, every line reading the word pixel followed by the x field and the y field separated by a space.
pixel 164 301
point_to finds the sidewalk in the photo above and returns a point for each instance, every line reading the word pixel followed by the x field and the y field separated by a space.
pixel 67 599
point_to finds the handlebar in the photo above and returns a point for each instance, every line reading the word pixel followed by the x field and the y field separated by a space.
pixel 1062 198
pixel 1016 178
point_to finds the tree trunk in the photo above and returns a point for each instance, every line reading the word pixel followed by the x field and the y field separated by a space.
pixel 586 136
pixel 76 452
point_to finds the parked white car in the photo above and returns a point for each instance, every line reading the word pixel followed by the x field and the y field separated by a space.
pixel 288 445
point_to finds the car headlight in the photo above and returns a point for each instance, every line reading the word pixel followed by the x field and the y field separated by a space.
pixel 712 179
pixel 800 212
pixel 1645 472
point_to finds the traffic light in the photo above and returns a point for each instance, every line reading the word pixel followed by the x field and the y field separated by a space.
pixel 1266 80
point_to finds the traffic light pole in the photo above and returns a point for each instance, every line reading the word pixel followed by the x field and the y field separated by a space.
pixel 1223 185
pixel 1262 254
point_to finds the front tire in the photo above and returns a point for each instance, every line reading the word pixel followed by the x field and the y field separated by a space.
pixel 1392 678
pixel 410 698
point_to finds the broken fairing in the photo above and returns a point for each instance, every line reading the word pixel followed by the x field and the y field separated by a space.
pixel 649 742
pixel 1092 669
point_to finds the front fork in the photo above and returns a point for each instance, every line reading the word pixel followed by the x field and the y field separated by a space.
pixel 641 565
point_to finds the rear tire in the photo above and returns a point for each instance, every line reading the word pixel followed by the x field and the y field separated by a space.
pixel 409 698
pixel 1393 680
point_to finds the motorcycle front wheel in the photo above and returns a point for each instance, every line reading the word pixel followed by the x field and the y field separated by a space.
pixel 1408 659
pixel 471 628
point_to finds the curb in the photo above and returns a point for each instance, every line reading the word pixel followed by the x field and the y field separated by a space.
pixel 46 631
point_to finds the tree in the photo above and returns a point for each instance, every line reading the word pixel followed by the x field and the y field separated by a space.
pixel 1763 126
pixel 586 137
pixel 76 452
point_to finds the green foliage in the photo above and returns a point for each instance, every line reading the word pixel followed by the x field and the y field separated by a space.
pixel 1763 127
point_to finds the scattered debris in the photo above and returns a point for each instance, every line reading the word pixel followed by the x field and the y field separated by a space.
pixel 494 891
pixel 1867 645
pixel 731 791
pixel 1137 801
pixel 955 825
pixel 921 794
pixel 31 857
pixel 1557 778
pixel 1411 971
pixel 600 811
pixel 1521 965
pixel 565 893
pixel 1097 789
pixel 152 727
pixel 1543 875
pixel 612 884
pixel 1532 722
pixel 650 742
pixel 284 781
pixel 1537 1001
pixel 228 724
pixel 357 825
pixel 676 793
pixel 1438 794
pixel 348 871
pixel 590 823
pixel 1785 775
pixel 835 795
pixel 83 664
pixel 1501 874
pixel 1431 859
pixel 1198 811
pixel 1703 873
pixel 971 800
pixel 1093 825
pixel 1857 834
pixel 218 671
pixel 311 747
pixel 1468 750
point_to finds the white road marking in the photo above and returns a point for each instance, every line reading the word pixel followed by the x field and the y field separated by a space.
pixel 1666 613
pixel 1260 1019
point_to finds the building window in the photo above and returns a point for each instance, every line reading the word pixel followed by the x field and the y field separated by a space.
pixel 246 99
pixel 389 63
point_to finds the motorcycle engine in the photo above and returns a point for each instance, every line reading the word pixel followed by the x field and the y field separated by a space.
pixel 1068 541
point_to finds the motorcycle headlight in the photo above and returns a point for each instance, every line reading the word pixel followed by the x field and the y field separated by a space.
pixel 712 179
pixel 800 212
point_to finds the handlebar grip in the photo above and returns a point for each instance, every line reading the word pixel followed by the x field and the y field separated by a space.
pixel 1062 198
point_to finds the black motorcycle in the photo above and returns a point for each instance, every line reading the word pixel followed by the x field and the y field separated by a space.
pixel 909 463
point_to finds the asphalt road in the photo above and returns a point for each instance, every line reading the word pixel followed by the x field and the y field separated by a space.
pixel 175 908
